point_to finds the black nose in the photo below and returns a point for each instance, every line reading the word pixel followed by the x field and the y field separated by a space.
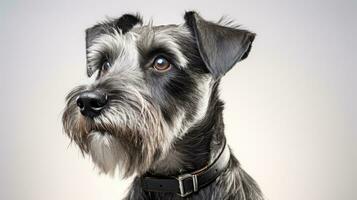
pixel 91 103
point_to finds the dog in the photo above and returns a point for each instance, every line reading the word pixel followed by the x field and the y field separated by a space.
pixel 153 109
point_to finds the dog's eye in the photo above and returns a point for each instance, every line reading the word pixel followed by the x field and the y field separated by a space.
pixel 161 64
pixel 104 68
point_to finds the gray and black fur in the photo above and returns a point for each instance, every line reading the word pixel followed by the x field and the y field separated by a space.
pixel 159 122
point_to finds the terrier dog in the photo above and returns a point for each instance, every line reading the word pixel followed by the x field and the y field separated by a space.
pixel 153 108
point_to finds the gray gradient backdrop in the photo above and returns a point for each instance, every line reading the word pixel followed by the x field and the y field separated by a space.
pixel 290 107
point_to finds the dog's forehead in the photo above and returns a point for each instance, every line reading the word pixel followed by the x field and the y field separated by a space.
pixel 169 29
pixel 115 43
pixel 135 26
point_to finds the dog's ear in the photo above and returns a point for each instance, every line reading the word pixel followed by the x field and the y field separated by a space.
pixel 127 22
pixel 122 24
pixel 221 47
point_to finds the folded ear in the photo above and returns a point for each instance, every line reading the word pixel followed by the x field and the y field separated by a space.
pixel 123 24
pixel 221 47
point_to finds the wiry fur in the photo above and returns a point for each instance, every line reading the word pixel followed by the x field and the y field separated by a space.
pixel 157 123
pixel 130 117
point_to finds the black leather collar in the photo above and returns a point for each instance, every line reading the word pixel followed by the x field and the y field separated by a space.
pixel 186 184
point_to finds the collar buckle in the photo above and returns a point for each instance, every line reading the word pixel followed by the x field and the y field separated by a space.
pixel 181 179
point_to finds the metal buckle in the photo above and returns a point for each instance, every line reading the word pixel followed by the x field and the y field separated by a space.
pixel 182 188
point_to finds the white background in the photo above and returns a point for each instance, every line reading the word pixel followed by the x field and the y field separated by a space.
pixel 290 107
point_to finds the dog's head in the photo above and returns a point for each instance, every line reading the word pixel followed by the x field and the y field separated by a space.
pixel 152 83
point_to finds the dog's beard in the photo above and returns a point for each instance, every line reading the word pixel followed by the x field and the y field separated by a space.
pixel 129 133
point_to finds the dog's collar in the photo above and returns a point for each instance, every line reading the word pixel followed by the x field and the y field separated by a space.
pixel 186 184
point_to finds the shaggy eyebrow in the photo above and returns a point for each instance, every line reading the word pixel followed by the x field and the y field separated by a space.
pixel 148 55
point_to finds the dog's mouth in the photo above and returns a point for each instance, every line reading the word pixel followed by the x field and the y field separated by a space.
pixel 99 129
pixel 93 127
pixel 90 127
pixel 100 132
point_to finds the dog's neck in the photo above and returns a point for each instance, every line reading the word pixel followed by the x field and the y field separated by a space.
pixel 200 145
